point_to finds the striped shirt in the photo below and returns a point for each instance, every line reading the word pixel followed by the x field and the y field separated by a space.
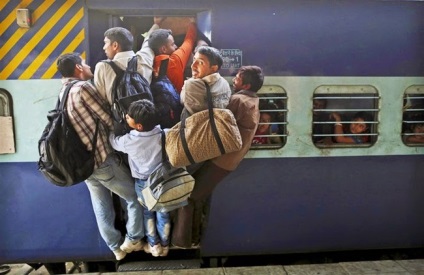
pixel 85 106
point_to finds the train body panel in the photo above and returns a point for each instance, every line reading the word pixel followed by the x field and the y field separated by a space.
pixel 295 197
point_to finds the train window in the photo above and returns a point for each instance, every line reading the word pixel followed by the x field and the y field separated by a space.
pixel 344 116
pixel 413 116
pixel 271 131
pixel 7 144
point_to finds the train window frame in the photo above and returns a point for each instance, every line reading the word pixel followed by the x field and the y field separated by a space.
pixel 7 134
pixel 273 100
pixel 347 100
pixel 412 113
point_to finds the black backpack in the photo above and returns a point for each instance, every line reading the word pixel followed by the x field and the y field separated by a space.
pixel 166 98
pixel 129 86
pixel 64 159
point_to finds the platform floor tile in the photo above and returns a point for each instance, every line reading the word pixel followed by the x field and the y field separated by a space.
pixel 415 266
pixel 374 267
pixel 315 269
pixel 255 270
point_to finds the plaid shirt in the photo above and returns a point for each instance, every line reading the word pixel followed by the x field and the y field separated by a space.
pixel 85 106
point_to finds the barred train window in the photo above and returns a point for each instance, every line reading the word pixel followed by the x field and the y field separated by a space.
pixel 271 132
pixel 345 116
pixel 413 116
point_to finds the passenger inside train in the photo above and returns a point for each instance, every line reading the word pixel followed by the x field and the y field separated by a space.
pixel 414 131
pixel 267 131
pixel 355 131
pixel 320 128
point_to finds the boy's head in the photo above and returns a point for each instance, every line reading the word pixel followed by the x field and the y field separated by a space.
pixel 117 40
pixel 248 78
pixel 72 65
pixel 142 115
pixel 161 41
pixel 207 60
pixel 358 126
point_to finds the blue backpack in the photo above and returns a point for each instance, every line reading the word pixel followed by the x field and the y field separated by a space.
pixel 166 98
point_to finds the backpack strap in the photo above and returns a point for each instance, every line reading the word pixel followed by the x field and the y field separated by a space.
pixel 212 119
pixel 132 64
pixel 94 142
pixel 61 104
pixel 118 71
pixel 163 145
pixel 213 127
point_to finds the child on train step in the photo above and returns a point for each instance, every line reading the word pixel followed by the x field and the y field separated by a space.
pixel 143 145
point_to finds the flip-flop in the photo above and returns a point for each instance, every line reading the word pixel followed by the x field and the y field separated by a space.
pixel 4 269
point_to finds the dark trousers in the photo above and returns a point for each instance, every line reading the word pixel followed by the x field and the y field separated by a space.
pixel 191 220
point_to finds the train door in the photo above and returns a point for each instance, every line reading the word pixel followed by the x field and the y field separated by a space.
pixel 139 21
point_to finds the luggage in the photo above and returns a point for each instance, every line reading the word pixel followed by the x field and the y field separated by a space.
pixel 167 187
pixel 129 86
pixel 64 159
pixel 166 98
pixel 202 136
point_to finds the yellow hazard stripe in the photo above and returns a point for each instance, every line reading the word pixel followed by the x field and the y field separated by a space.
pixel 70 48
pixel 3 4
pixel 22 54
pixel 52 45
pixel 14 39
pixel 11 17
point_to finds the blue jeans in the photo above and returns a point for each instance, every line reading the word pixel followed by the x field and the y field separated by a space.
pixel 114 176
pixel 156 224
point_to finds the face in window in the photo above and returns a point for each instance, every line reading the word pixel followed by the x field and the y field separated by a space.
pixel 264 118
pixel 418 128
pixel 319 104
pixel 201 66
pixel 358 126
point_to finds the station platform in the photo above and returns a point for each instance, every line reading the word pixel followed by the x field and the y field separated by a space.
pixel 385 267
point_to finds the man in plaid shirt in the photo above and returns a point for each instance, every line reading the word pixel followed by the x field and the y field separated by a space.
pixel 85 106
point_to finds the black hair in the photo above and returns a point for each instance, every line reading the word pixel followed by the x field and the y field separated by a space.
pixel 363 115
pixel 415 119
pixel 213 55
pixel 252 75
pixel 144 112
pixel 122 36
pixel 158 38
pixel 66 63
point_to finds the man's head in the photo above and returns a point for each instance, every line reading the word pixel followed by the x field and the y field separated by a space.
pixel 318 104
pixel 117 40
pixel 161 41
pixel 142 115
pixel 72 65
pixel 248 78
pixel 207 60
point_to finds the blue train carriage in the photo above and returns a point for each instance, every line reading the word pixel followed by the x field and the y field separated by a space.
pixel 297 192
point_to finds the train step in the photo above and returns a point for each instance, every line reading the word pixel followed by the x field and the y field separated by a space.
pixel 159 265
